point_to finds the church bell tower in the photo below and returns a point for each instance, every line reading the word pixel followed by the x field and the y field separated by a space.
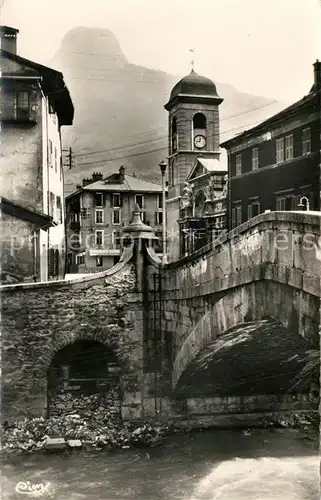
pixel 193 132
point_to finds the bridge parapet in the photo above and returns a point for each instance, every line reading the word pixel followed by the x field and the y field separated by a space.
pixel 280 246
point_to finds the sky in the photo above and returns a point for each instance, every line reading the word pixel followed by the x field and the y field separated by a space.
pixel 263 47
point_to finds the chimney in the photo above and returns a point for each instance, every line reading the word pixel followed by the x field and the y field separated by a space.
pixel 122 174
pixel 97 176
pixel 8 37
pixel 317 75
pixel 86 181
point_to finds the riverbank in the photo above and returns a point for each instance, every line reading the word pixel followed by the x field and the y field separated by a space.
pixel 209 464
pixel 106 431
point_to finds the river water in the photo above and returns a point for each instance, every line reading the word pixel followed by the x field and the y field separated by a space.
pixel 208 465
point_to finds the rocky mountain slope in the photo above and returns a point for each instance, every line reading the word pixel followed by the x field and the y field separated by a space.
pixel 119 107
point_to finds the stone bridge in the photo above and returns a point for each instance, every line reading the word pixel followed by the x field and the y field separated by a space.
pixel 217 334
pixel 240 315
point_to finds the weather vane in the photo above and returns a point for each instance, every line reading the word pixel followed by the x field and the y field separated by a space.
pixel 192 61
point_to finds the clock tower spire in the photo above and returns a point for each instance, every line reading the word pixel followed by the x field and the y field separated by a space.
pixel 193 124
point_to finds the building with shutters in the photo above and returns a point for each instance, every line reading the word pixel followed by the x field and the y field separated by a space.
pixel 35 104
pixel 273 165
pixel 96 213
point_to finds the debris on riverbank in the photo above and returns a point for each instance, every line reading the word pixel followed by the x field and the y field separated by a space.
pixel 307 421
pixel 105 430
pixel 97 432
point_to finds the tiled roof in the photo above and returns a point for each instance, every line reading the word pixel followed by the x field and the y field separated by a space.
pixel 130 184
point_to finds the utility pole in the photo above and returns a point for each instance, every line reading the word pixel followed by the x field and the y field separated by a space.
pixel 69 158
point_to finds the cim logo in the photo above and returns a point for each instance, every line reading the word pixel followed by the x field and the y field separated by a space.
pixel 33 490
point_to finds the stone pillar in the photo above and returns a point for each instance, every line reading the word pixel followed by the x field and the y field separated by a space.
pixel 141 235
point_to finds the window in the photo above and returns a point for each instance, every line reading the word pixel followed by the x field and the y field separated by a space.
pixel 306 141
pixel 99 237
pixel 50 154
pixel 255 158
pixel 116 239
pixel 289 147
pixel 80 259
pixel 160 201
pixel 238 165
pixel 144 217
pixel 236 215
pixel 59 212
pixel 159 218
pixel 51 204
pixel 253 209
pixel 22 105
pixel 99 261
pixel 139 199
pixel 280 204
pixel 174 135
pixel 285 202
pixel 116 216
pixel 289 202
pixel 116 200
pixel 99 199
pixel 279 150
pixel 99 216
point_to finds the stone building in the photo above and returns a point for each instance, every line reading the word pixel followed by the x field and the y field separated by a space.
pixel 273 165
pixel 97 212
pixel 35 104
pixel 195 212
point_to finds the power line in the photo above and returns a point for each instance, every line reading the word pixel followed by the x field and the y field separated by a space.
pixel 122 157
pixel 132 155
pixel 166 136
pixel 122 147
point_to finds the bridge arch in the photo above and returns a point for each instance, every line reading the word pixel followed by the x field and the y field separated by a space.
pixel 253 302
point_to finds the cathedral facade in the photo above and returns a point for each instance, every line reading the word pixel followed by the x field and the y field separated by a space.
pixel 197 184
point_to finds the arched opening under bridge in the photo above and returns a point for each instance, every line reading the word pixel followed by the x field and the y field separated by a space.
pixel 83 377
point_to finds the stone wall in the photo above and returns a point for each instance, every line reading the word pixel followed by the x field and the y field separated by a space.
pixel 17 253
pixel 21 152
pixel 40 319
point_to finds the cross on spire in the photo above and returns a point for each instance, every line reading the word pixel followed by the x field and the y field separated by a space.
pixel 192 61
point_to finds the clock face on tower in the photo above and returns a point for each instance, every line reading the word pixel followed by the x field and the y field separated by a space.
pixel 199 141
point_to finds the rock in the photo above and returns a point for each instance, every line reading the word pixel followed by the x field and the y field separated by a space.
pixel 55 443
pixel 74 443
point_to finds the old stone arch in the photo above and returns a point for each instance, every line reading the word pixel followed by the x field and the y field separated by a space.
pixel 83 376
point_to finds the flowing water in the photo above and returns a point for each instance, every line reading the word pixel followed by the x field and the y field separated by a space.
pixel 208 465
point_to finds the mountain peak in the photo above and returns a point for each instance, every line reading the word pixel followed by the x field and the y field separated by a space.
pixel 87 47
